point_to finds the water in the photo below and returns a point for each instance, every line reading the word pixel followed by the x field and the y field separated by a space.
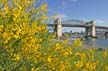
pixel 98 43
pixel 93 42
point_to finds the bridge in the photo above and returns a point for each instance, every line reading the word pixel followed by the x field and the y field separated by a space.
pixel 90 27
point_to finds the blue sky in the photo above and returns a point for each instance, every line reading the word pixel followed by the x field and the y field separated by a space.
pixel 80 9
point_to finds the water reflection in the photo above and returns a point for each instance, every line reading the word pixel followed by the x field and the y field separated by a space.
pixel 97 43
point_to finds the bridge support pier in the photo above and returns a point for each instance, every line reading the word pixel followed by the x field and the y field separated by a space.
pixel 87 31
pixel 106 34
pixel 58 28
pixel 91 31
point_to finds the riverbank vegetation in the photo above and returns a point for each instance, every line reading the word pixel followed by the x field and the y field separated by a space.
pixel 26 45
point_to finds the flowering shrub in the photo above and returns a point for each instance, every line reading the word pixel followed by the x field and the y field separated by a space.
pixel 22 33
pixel 24 43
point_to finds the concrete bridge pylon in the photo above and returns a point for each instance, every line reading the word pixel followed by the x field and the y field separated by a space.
pixel 58 27
pixel 91 31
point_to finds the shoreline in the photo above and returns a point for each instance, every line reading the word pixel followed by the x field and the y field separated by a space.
pixel 70 42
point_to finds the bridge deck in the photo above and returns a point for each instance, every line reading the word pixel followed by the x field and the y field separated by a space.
pixel 72 25
pixel 79 25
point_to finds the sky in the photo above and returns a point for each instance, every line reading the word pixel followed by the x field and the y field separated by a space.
pixel 96 10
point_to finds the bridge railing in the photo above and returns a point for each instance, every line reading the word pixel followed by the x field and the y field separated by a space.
pixel 73 21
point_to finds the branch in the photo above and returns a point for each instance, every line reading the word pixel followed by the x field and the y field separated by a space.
pixel 4 4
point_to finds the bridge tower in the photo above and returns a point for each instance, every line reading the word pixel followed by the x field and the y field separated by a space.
pixel 91 31
pixel 58 27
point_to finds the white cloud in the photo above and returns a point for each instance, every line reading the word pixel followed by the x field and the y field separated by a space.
pixel 63 16
pixel 100 21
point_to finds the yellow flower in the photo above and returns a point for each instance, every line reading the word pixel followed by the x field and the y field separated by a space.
pixel 91 65
pixel 17 57
pixel 92 50
pixel 61 66
pixel 104 53
pixel 77 43
pixel 57 47
pixel 65 41
pixel 1 27
pixel 49 59
pixel 83 56
pixel 79 64
pixel 43 7
pixel 77 54
pixel 106 68
pixel 16 36
pixel 69 50
pixel 84 69
pixel 35 69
